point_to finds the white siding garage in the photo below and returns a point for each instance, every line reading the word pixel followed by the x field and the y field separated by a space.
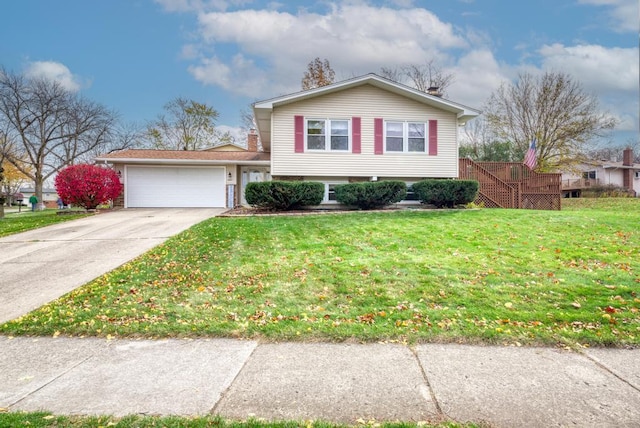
pixel 168 187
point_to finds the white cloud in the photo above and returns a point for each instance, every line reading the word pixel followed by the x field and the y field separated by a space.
pixel 198 5
pixel 477 75
pixel 356 37
pixel 623 13
pixel 54 71
pixel 599 68
pixel 240 76
pixel 189 51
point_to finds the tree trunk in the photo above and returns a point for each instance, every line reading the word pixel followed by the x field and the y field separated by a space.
pixel 38 182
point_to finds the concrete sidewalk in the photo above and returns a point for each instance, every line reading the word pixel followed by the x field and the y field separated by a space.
pixel 505 387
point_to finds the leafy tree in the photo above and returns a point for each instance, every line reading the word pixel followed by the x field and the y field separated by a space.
pixel 48 126
pixel 482 145
pixel 552 108
pixel 11 180
pixel 87 185
pixel 319 73
pixel 187 125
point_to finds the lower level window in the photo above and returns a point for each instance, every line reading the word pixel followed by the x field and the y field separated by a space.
pixel 330 192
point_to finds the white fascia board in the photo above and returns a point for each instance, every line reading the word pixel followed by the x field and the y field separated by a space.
pixel 132 161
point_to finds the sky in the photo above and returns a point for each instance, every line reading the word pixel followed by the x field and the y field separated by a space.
pixel 133 56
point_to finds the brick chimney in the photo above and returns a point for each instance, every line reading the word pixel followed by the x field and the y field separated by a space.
pixel 627 157
pixel 627 174
pixel 252 141
pixel 435 91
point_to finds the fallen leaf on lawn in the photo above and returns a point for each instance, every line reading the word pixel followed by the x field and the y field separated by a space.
pixel 508 305
pixel 610 310
pixel 576 305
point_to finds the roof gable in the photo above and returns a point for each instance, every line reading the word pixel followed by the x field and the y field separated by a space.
pixel 262 109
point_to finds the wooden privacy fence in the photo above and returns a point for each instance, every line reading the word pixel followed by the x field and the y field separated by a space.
pixel 512 185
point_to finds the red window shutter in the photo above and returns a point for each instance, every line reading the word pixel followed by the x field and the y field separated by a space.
pixel 299 133
pixel 377 136
pixel 356 142
pixel 433 137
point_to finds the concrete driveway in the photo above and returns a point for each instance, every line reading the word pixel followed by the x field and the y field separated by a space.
pixel 41 265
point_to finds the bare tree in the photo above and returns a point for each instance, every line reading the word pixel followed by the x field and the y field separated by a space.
pixel 429 75
pixel 423 77
pixel 479 143
pixel 551 108
pixel 188 125
pixel 319 73
pixel 611 152
pixel 394 74
pixel 50 126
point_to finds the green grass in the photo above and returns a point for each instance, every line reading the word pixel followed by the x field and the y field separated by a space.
pixel 15 222
pixel 44 419
pixel 566 278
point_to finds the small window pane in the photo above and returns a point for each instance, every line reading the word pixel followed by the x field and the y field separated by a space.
pixel 394 144
pixel 339 143
pixel 411 196
pixel 416 130
pixel 339 127
pixel 315 142
pixel 331 192
pixel 394 129
pixel 315 127
pixel 416 145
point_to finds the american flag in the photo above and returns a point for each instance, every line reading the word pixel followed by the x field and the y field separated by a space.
pixel 530 156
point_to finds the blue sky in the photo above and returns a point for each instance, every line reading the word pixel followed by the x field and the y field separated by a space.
pixel 135 55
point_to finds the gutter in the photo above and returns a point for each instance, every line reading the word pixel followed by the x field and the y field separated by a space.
pixel 180 161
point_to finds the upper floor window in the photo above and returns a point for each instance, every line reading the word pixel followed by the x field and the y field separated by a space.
pixel 589 175
pixel 328 134
pixel 405 137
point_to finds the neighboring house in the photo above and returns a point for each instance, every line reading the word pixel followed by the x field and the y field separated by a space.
pixel 49 197
pixel 363 129
pixel 625 174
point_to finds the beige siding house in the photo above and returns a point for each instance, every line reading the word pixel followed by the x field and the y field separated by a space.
pixel 366 128
pixel 623 174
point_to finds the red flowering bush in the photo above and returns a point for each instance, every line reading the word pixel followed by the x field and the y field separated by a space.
pixel 87 185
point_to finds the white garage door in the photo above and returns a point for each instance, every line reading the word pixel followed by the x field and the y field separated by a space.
pixel 175 187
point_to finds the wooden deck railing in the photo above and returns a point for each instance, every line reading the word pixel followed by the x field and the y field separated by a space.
pixel 530 189
pixel 579 183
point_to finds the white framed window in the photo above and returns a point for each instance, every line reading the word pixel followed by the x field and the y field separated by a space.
pixel 330 192
pixel 328 135
pixel 405 137
pixel 589 175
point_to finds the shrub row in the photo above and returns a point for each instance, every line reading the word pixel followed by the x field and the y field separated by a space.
pixel 371 194
pixel 446 193
pixel 284 195
pixel 288 195
pixel 607 191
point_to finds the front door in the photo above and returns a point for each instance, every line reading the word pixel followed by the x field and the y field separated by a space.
pixel 252 175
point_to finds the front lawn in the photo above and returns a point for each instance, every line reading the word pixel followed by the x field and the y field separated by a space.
pixel 565 278
pixel 43 419
pixel 16 222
